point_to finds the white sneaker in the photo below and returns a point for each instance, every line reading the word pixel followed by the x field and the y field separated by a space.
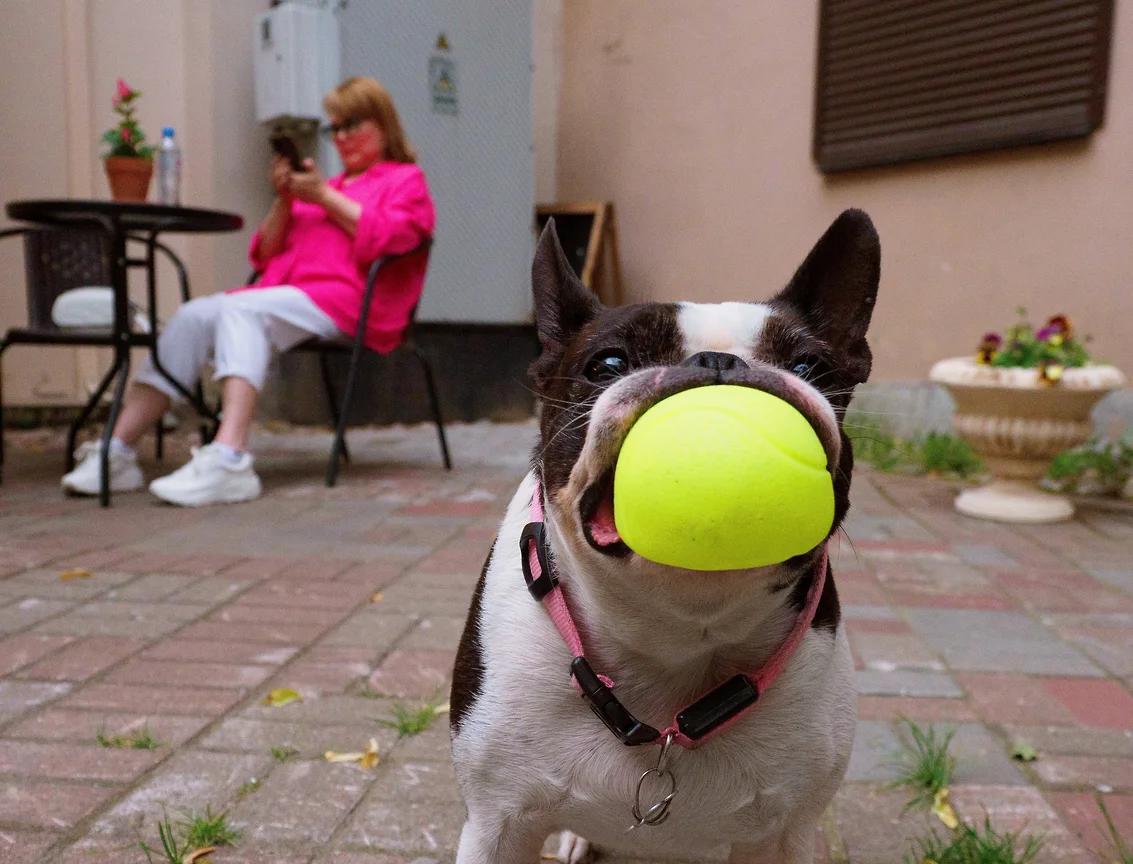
pixel 208 478
pixel 125 475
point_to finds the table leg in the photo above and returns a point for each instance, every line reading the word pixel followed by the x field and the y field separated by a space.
pixel 108 432
pixel 84 415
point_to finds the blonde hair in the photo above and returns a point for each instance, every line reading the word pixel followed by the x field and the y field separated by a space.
pixel 365 99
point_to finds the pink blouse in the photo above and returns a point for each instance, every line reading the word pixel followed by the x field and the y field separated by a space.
pixel 328 265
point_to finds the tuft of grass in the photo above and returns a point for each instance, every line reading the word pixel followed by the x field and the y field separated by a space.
pixel 191 833
pixel 411 721
pixel 923 763
pixel 282 754
pixel 210 829
pixel 142 740
pixel 369 693
pixel 1121 852
pixel 246 789
pixel 970 845
pixel 173 848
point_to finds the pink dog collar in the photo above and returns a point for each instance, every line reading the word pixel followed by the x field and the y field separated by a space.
pixel 717 710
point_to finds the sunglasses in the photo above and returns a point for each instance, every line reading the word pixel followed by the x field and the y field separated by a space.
pixel 346 127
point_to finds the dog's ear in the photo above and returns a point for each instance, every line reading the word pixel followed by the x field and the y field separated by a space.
pixel 835 289
pixel 563 306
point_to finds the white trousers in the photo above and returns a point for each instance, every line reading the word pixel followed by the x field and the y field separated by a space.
pixel 238 332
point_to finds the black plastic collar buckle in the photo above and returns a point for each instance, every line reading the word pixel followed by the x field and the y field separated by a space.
pixel 536 532
pixel 610 711
pixel 717 708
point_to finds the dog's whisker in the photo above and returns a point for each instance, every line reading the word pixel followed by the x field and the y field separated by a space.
pixel 572 426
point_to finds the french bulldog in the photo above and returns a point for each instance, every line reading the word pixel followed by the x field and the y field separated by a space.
pixel 545 742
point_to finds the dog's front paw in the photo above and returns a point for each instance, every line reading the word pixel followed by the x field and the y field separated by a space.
pixel 572 848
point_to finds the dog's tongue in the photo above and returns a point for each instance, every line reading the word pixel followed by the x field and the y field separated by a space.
pixel 602 527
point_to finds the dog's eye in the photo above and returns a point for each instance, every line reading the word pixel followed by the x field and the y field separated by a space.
pixel 807 367
pixel 606 365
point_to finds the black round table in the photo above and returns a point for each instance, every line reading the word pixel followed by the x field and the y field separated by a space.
pixel 122 221
pixel 129 215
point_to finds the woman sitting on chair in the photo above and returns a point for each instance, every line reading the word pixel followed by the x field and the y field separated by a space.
pixel 313 250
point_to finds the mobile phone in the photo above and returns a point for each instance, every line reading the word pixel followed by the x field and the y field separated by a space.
pixel 286 147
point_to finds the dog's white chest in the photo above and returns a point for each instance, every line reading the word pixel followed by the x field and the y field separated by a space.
pixel 532 741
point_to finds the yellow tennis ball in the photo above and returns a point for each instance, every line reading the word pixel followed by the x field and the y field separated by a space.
pixel 722 478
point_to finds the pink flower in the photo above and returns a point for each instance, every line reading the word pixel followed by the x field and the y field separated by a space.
pixel 125 135
pixel 124 90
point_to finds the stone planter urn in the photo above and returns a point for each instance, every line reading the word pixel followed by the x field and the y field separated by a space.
pixel 129 177
pixel 1017 423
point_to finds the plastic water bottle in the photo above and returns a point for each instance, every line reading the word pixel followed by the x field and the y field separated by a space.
pixel 168 169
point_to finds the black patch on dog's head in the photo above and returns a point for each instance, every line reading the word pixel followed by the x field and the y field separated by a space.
pixel 468 671
pixel 576 332
pixel 834 291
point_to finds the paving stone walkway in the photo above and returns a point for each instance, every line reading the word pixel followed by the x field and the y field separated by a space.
pixel 188 618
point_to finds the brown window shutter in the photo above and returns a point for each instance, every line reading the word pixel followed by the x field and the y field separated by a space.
pixel 899 80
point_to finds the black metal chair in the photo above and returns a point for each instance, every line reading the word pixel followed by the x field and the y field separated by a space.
pixel 57 260
pixel 340 411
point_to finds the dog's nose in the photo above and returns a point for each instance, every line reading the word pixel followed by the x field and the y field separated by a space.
pixel 717 361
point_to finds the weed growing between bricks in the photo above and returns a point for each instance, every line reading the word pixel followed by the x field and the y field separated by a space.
pixel 247 789
pixel 924 764
pixel 142 740
pixel 413 721
pixel 191 837
pixel 282 754
pixel 1121 852
pixel 925 768
pixel 971 845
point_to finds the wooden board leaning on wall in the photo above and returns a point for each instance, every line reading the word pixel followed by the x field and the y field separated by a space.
pixel 589 238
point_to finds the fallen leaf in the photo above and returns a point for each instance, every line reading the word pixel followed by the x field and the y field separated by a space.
pixel 371 759
pixel 74 574
pixel 368 759
pixel 441 709
pixel 943 810
pixel 1024 751
pixel 332 756
pixel 281 696
pixel 197 853
pixel 377 598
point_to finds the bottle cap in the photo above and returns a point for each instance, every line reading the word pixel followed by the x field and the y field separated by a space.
pixel 167 132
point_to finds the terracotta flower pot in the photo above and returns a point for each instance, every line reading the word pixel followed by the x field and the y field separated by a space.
pixel 1018 424
pixel 129 177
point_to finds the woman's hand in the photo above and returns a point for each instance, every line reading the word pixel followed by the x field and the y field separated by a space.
pixel 309 185
pixel 280 177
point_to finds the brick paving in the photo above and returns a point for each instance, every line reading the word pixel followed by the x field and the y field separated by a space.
pixel 355 597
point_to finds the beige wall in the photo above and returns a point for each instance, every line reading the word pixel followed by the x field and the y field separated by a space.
pixel 192 61
pixel 695 118
pixel 546 83
pixel 34 162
